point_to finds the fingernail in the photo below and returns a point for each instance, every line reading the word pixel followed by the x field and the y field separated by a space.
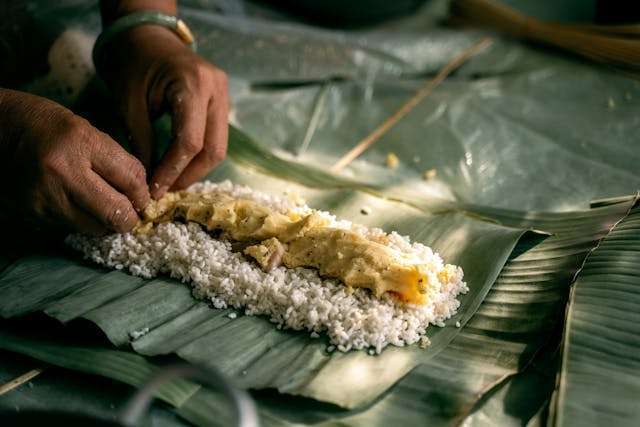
pixel 159 191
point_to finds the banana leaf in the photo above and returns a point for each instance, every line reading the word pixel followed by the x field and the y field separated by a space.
pixel 257 354
pixel 599 380
pixel 503 404
pixel 196 404
pixel 487 353
pixel 517 320
pixel 505 131
pixel 250 348
pixel 73 391
pixel 125 367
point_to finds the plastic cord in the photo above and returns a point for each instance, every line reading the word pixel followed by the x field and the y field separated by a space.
pixel 245 411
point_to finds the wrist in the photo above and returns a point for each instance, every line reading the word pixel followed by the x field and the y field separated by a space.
pixel 140 35
pixel 136 49
pixel 147 36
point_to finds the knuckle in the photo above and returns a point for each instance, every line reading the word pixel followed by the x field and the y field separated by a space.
pixel 220 78
pixel 216 155
pixel 52 163
pixel 191 146
pixel 207 74
pixel 203 71
pixel 73 126
pixel 137 174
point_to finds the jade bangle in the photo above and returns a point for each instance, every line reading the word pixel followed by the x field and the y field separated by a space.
pixel 140 18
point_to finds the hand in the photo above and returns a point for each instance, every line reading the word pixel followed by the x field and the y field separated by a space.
pixel 149 70
pixel 61 170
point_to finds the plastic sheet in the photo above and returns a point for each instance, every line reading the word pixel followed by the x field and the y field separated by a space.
pixel 517 126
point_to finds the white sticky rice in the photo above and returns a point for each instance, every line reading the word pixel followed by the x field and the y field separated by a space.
pixel 297 298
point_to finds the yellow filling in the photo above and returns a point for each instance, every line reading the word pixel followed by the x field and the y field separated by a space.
pixel 294 240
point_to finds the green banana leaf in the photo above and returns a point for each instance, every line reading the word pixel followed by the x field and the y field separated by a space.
pixel 504 404
pixel 73 391
pixel 250 348
pixel 198 405
pixel 255 352
pixel 599 381
pixel 515 128
pixel 518 319
pixel 488 352
pixel 125 367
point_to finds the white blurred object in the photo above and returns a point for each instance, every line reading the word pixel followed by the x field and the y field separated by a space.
pixel 70 67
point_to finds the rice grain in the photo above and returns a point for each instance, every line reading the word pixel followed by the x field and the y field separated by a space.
pixel 297 299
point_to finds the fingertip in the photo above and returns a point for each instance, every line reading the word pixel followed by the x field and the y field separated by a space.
pixel 123 218
pixel 127 224
pixel 157 190
pixel 166 174
pixel 143 200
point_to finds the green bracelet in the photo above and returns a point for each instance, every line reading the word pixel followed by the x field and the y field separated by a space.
pixel 140 18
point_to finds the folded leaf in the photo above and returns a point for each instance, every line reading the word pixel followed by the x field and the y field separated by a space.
pixel 599 382
pixel 250 348
pixel 518 319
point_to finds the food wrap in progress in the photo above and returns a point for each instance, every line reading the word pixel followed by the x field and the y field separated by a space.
pixel 303 267
pixel 302 240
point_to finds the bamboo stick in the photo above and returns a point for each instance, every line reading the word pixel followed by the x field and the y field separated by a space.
pixel 17 382
pixel 421 94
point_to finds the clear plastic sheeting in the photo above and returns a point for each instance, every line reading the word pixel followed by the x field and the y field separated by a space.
pixel 518 126
pixel 522 141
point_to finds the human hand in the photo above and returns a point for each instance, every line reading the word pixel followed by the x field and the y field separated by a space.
pixel 60 170
pixel 150 70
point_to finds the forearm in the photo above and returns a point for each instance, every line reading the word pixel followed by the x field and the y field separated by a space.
pixel 124 49
pixel 113 9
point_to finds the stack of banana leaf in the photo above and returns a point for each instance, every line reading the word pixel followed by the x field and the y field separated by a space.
pixel 534 194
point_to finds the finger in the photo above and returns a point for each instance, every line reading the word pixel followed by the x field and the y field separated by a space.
pixel 123 171
pixel 138 123
pixel 111 208
pixel 215 143
pixel 189 114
